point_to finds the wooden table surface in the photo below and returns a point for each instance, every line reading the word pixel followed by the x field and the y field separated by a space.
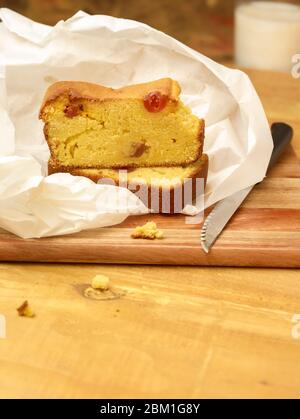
pixel 177 332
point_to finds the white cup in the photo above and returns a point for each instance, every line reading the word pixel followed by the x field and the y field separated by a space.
pixel 267 34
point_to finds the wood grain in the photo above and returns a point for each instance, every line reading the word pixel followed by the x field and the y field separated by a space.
pixel 184 332
pixel 178 332
pixel 264 232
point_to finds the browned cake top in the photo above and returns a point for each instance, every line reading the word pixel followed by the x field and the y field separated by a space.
pixel 79 89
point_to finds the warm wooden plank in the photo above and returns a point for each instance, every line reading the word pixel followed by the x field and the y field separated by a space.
pixel 264 232
pixel 184 332
pixel 288 166
pixel 273 205
pixel 270 249
pixel 275 193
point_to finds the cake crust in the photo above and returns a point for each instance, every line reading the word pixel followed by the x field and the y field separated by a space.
pixel 91 91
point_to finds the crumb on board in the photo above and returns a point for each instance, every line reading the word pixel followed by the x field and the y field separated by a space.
pixel 25 310
pixel 100 282
pixel 148 231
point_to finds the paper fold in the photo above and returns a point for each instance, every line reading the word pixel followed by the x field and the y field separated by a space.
pixel 113 52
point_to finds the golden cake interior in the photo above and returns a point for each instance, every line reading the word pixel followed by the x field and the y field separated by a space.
pixel 118 131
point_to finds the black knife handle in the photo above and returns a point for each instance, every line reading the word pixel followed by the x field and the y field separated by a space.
pixel 282 135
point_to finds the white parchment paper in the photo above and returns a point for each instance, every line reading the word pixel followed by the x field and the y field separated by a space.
pixel 113 52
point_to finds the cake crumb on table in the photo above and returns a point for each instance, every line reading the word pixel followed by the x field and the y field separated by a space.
pixel 100 282
pixel 101 289
pixel 148 231
pixel 25 310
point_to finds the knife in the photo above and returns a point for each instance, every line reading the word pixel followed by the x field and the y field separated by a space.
pixel 224 209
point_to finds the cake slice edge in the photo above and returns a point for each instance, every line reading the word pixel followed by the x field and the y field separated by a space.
pixel 190 173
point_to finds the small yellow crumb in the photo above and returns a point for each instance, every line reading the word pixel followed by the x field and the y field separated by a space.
pixel 100 282
pixel 25 310
pixel 148 231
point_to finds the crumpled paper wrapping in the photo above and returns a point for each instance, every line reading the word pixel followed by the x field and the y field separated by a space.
pixel 113 52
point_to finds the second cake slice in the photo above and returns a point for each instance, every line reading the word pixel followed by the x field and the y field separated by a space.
pixel 162 189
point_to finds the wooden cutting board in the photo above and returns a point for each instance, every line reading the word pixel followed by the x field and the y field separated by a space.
pixel 264 232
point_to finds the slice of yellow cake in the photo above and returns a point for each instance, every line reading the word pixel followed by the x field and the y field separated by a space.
pixel 167 189
pixel 144 125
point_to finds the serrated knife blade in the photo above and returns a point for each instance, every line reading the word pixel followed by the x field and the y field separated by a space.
pixel 219 217
pixel 224 209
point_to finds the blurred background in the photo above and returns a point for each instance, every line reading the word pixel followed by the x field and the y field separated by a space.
pixel 205 25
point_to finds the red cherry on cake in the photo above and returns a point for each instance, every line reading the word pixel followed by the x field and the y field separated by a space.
pixel 155 101
pixel 73 110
